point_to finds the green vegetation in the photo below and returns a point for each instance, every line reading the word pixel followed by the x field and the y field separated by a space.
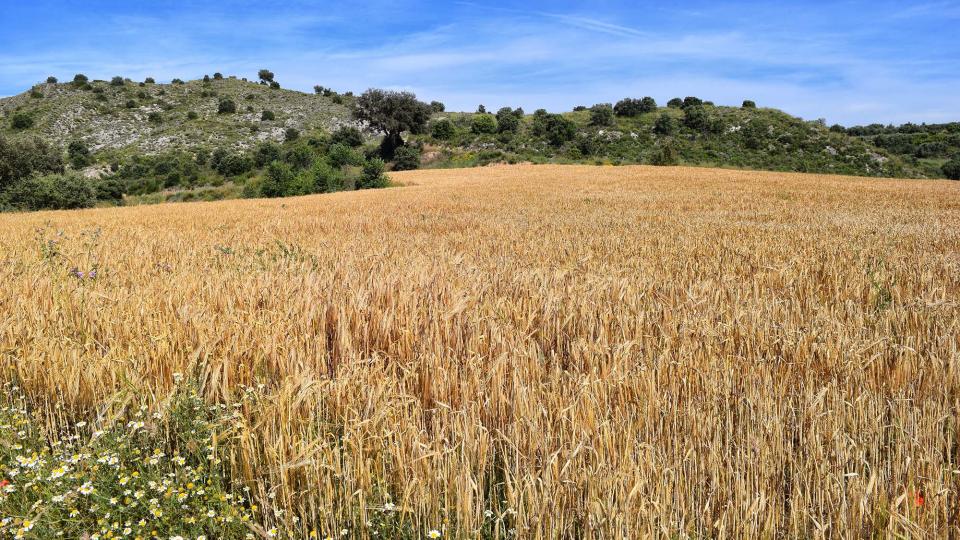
pixel 189 140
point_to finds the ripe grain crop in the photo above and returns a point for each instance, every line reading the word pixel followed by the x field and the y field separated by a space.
pixel 530 351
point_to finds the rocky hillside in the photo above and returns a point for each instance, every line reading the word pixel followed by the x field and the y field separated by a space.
pixel 152 118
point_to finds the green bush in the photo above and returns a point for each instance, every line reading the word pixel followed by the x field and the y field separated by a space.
pixel 951 169
pixel 267 115
pixel 51 80
pixel 347 135
pixel 340 155
pixel 265 153
pixel 226 106
pixel 437 107
pixel 149 80
pixel 483 123
pixel 79 154
pixel 192 115
pixel 80 79
pixel 21 158
pixel 130 104
pixel 406 158
pixel 274 85
pixel 748 104
pixel 291 134
pixel 116 81
pixel 634 107
pixel 665 155
pixel 442 129
pixel 325 178
pixel 20 121
pixel 109 189
pixel 155 118
pixel 601 115
pixel 664 125
pixel 299 157
pixel 53 191
pixel 675 103
pixel 217 76
pixel 374 175
pixel 277 180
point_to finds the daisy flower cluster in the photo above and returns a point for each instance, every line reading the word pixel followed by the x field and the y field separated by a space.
pixel 136 478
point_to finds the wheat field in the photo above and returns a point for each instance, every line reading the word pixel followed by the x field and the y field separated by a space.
pixel 531 351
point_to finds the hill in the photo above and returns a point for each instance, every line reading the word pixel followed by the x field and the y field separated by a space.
pixel 152 118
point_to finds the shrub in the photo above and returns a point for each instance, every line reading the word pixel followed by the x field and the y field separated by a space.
pixel 109 189
pixel 675 103
pixel 580 108
pixel 130 104
pixel 192 115
pixel 951 169
pixel 274 85
pixel 265 75
pixel 748 104
pixel 665 155
pixel 21 120
pixel 177 81
pixel 80 79
pixel 437 107
pixel 226 106
pixel 373 174
pixel 79 154
pixel 326 179
pixel 601 115
pixel 557 129
pixel 149 80
pixel 267 115
pixel 116 81
pixel 142 94
pixel 634 107
pixel 691 101
pixel 53 191
pixel 406 158
pixel 695 117
pixel 347 135
pixel 230 164
pixel 217 76
pixel 299 157
pixel 483 123
pixel 340 155
pixel 206 78
pixel 481 109
pixel 155 118
pixel 21 158
pixel 664 125
pixel 265 153
pixel 51 80
pixel 291 134
pixel 277 180
pixel 442 129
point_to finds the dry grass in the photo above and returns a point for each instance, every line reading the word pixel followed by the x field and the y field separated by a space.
pixel 587 352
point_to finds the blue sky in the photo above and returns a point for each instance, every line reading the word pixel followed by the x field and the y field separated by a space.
pixel 846 61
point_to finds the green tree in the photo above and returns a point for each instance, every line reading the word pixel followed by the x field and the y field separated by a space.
pixel 149 80
pixel 265 153
pixel 695 117
pixel 51 80
pixel 217 76
pixel 559 130
pixel 80 79
pixel 483 123
pixel 748 104
pixel 675 103
pixel 691 101
pixel 437 107
pixel 392 113
pixel 22 158
pixel 665 155
pixel 326 178
pixel 341 155
pixel 507 121
pixel 116 81
pixel 265 76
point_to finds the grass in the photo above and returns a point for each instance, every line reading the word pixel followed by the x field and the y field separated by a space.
pixel 528 351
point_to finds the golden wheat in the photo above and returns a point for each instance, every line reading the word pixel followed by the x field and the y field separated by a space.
pixel 585 352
